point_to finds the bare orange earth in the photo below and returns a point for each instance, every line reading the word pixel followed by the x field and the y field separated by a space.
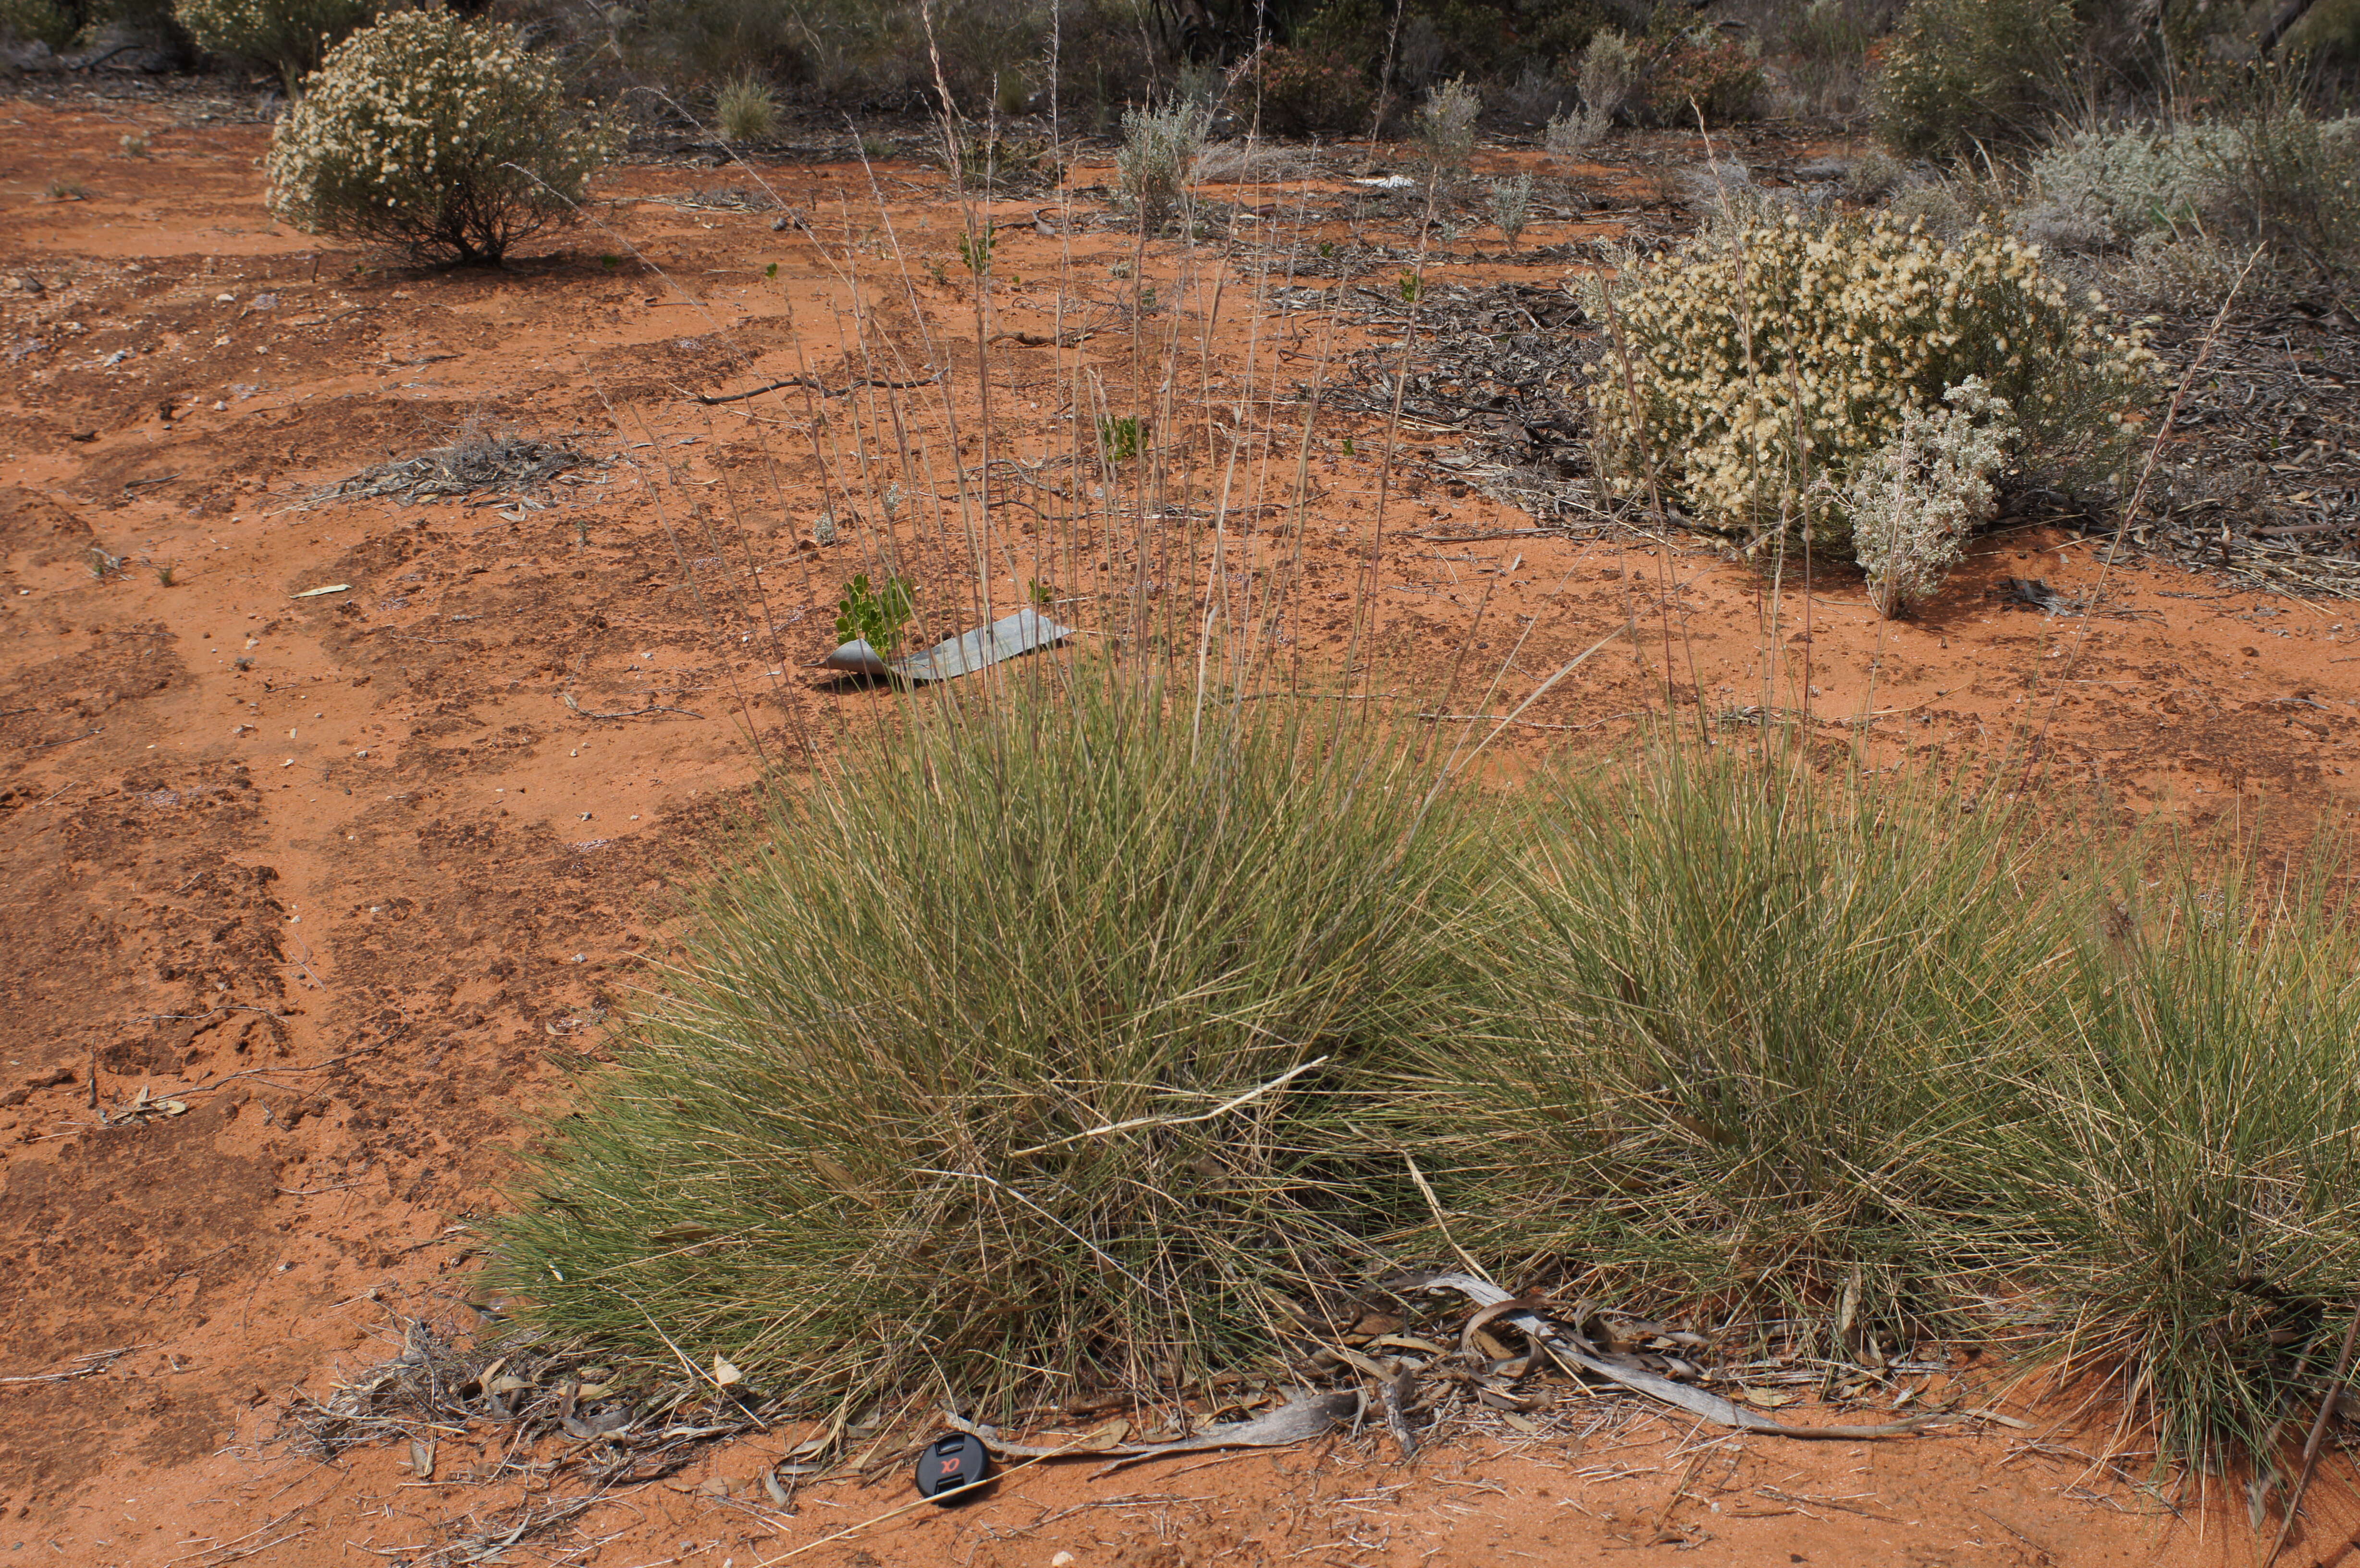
pixel 349 877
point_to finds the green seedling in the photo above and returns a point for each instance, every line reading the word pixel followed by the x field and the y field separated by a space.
pixel 1347 446
pixel 1327 249
pixel 1411 290
pixel 610 262
pixel 1118 439
pixel 771 270
pixel 976 251
pixel 874 616
pixel 1042 593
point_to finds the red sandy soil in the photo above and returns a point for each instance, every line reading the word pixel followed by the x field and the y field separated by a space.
pixel 351 879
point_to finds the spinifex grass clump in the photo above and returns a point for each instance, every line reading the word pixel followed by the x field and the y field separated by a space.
pixel 939 1100
pixel 1771 1012
pixel 2190 1205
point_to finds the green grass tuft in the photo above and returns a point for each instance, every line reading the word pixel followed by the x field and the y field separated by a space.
pixel 854 1148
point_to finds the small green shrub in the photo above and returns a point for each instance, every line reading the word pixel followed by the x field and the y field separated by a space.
pixel 929 1107
pixel 1915 501
pixel 1512 206
pixel 444 136
pixel 2103 189
pixel 1311 92
pixel 875 615
pixel 1956 73
pixel 1755 371
pixel 292 36
pixel 745 109
pixel 1158 157
pixel 1445 131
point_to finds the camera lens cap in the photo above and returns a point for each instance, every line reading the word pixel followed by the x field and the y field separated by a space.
pixel 951 1461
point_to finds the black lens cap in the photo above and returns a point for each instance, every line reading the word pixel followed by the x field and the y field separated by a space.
pixel 954 1460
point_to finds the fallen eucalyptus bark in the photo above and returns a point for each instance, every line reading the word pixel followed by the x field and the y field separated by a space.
pixel 1300 1419
pixel 1571 1352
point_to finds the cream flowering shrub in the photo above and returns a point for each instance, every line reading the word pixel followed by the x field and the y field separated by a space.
pixel 446 137
pixel 1754 373
pixel 1918 497
pixel 289 36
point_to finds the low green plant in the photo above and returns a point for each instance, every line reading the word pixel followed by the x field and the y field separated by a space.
pixel 745 109
pixel 875 615
pixel 68 190
pixel 975 251
pixel 1412 288
pixel 1512 206
pixel 1023 1056
pixel 292 36
pixel 134 145
pixel 446 137
pixel 1119 438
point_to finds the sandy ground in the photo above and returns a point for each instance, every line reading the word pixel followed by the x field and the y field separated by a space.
pixel 354 879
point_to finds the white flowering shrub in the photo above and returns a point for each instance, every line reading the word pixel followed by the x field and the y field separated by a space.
pixel 1753 374
pixel 1918 497
pixel 292 36
pixel 444 136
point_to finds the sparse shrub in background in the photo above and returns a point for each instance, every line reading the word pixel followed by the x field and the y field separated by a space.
pixel 1312 92
pixel 292 36
pixel 689 44
pixel 745 109
pixel 2192 201
pixel 1104 62
pixel 1512 206
pixel 1828 43
pixel 1700 73
pixel 64 24
pixel 1608 71
pixel 1536 96
pixel 1766 366
pixel 1943 210
pixel 1958 73
pixel 1445 131
pixel 39 22
pixel 1158 158
pixel 409 131
pixel 1876 174
pixel 2288 180
pixel 134 145
pixel 1918 497
pixel 926 1108
pixel 2103 189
